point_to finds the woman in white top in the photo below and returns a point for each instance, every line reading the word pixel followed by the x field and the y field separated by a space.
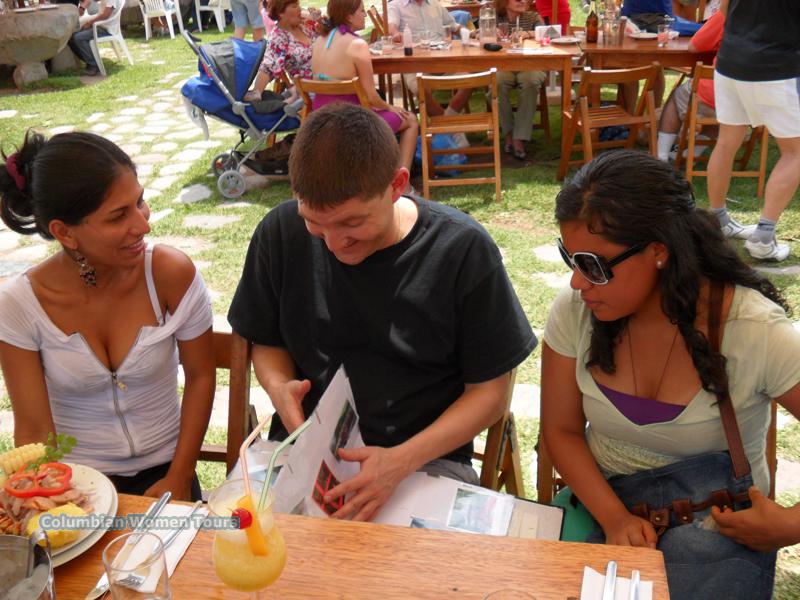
pixel 630 382
pixel 90 338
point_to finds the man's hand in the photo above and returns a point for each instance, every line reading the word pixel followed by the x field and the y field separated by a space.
pixel 631 530
pixel 382 469
pixel 287 399
pixel 764 527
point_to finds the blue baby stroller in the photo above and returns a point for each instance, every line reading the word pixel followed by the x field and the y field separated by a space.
pixel 227 70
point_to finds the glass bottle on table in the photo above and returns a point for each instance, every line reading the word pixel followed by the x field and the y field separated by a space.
pixel 592 24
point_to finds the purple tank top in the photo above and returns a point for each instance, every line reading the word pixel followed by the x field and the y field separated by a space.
pixel 642 411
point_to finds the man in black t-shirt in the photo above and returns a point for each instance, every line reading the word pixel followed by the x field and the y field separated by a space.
pixel 757 82
pixel 409 295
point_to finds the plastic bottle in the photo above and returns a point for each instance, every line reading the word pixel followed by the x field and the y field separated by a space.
pixel 592 24
pixel 408 41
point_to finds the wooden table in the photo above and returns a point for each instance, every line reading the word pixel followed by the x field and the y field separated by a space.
pixel 340 559
pixel 471 59
pixel 639 53
pixel 473 8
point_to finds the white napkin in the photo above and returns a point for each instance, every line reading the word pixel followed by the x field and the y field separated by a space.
pixel 593 582
pixel 176 549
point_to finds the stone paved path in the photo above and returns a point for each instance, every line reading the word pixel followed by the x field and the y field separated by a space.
pixel 163 143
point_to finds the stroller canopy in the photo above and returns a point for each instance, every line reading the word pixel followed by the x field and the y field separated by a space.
pixel 235 62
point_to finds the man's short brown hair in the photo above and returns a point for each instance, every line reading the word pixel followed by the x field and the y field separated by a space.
pixel 342 151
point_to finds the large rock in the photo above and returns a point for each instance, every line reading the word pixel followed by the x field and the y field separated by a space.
pixel 65 60
pixel 28 38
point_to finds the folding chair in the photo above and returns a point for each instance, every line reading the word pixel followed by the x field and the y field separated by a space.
pixel 232 352
pixel 158 8
pixel 589 120
pixel 306 87
pixel 218 7
pixel 693 122
pixel 459 123
pixel 113 36
pixel 500 454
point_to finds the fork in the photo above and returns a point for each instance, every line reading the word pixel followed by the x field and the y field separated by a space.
pixel 138 577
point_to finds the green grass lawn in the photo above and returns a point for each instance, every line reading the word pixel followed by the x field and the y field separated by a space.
pixel 520 223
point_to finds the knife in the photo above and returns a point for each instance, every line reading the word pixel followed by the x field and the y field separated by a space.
pixel 611 580
pixel 634 591
pixel 102 584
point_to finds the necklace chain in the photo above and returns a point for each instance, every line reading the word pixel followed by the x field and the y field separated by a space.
pixel 663 370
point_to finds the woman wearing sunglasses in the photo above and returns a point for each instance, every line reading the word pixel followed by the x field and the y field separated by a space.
pixel 634 381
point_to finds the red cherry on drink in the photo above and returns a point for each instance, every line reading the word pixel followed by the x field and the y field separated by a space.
pixel 244 516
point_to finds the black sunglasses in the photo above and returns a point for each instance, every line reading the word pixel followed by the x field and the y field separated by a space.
pixel 595 268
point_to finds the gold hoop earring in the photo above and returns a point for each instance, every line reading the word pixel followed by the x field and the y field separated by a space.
pixel 86 271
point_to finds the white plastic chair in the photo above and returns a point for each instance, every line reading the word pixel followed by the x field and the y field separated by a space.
pixel 113 35
pixel 158 8
pixel 218 7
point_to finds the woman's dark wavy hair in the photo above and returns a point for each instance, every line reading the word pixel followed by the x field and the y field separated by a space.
pixel 630 198
pixel 66 177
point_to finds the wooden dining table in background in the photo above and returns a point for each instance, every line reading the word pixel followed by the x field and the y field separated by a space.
pixel 328 558
pixel 640 53
pixel 472 59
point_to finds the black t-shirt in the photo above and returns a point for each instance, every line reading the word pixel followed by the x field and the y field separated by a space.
pixel 761 41
pixel 412 323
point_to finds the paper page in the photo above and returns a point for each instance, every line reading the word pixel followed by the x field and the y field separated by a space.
pixel 535 520
pixel 313 466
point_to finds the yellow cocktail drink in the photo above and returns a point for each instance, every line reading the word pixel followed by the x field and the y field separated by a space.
pixel 234 560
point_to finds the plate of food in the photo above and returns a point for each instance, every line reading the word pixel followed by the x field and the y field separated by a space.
pixel 32 488
pixel 644 35
pixel 566 39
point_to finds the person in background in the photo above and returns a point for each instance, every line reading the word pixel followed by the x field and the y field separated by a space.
pixel 632 383
pixel 409 295
pixel 340 54
pixel 518 129
pixel 80 41
pixel 757 82
pixel 246 14
pixel 563 16
pixel 289 47
pixel 90 339
pixel 707 39
pixel 431 16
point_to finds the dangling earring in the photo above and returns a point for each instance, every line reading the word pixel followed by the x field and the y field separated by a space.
pixel 659 264
pixel 86 271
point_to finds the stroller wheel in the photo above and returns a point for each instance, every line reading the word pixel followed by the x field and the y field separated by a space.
pixel 223 162
pixel 231 184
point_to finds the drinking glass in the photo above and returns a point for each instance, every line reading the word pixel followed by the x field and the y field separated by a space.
pixel 424 38
pixel 663 34
pixel 234 561
pixel 387 44
pixel 502 32
pixel 516 38
pixel 137 568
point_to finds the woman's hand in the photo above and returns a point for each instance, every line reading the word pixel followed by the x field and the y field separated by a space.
pixel 630 530
pixel 399 111
pixel 181 488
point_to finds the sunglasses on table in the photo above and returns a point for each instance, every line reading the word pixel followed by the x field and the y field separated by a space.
pixel 596 269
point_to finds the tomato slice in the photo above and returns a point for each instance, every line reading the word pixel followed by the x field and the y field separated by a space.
pixel 50 479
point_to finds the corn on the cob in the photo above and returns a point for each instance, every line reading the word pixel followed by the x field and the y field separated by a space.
pixel 13 460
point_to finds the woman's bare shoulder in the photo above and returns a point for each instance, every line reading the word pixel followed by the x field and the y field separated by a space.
pixel 173 273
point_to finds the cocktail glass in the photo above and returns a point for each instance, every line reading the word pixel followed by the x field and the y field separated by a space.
pixel 235 562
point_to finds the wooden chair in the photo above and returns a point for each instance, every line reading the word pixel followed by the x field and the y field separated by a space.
pixel 499 455
pixel 460 123
pixel 548 482
pixel 692 124
pixel 306 87
pixel 232 352
pixel 588 120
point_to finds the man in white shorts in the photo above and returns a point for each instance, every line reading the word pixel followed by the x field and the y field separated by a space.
pixel 757 82
pixel 246 12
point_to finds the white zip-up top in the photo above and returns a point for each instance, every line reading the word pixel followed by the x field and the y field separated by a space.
pixel 123 421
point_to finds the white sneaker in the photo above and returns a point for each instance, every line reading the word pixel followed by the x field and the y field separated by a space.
pixel 461 140
pixel 771 251
pixel 734 229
